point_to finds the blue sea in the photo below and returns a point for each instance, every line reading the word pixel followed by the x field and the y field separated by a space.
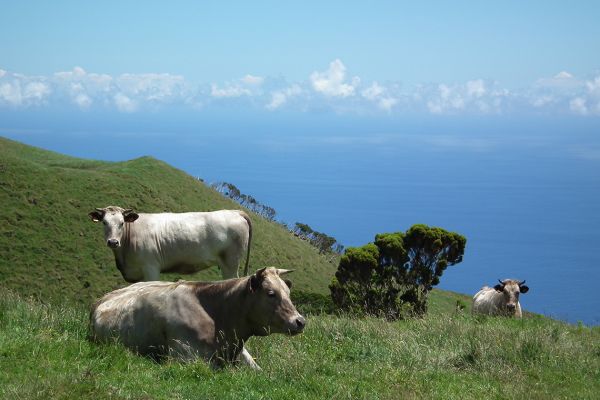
pixel 525 191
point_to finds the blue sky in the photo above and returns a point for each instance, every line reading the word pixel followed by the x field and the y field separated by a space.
pixel 493 107
pixel 384 57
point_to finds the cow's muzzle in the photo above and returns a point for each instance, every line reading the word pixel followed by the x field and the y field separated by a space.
pixel 112 243
pixel 297 325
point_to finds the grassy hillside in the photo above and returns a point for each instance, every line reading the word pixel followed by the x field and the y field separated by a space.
pixel 44 354
pixel 51 250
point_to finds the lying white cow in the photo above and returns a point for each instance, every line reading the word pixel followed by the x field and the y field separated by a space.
pixel 502 299
pixel 144 245
pixel 190 320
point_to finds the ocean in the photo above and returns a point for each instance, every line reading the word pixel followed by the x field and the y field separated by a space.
pixel 525 191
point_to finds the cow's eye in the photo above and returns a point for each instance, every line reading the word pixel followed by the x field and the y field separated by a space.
pixel 121 224
pixel 104 222
pixel 271 293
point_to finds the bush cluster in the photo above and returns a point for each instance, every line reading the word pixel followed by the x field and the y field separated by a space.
pixel 392 276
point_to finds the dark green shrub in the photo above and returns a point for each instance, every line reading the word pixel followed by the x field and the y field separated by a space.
pixel 392 277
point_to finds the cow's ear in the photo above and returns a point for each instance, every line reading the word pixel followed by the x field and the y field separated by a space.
pixel 524 288
pixel 256 279
pixel 96 216
pixel 288 283
pixel 499 288
pixel 253 283
pixel 130 216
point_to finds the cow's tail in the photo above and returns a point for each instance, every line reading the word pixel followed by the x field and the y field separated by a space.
pixel 249 221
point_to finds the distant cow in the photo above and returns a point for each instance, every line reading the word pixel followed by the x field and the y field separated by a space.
pixel 502 299
pixel 144 245
pixel 190 320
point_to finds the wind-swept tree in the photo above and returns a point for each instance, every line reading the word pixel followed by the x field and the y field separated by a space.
pixel 393 275
pixel 323 242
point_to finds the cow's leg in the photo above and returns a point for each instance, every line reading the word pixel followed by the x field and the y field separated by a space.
pixel 229 262
pixel 247 358
pixel 518 312
pixel 187 344
pixel 151 272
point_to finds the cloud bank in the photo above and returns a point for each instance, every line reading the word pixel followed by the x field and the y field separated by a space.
pixel 330 88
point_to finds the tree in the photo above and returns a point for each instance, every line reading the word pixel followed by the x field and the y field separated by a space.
pixel 323 242
pixel 393 275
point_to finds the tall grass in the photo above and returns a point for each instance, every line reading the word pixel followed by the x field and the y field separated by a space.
pixel 44 354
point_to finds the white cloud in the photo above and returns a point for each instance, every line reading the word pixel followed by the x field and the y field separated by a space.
pixel 543 101
pixel 476 88
pixel 578 106
pixel 124 103
pixel 387 103
pixel 331 89
pixel 253 80
pixel 332 82
pixel 228 91
pixel 280 97
pixel 593 86
pixel 82 87
pixel 449 99
pixel 563 75
pixel 153 87
pixel 373 91
pixel 249 85
pixel 563 81
pixel 379 95
pixel 475 97
pixel 36 91
pixel 11 93
pixel 24 92
pixel 565 93
pixel 83 101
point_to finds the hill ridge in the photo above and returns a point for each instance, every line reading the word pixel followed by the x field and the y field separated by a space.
pixel 50 249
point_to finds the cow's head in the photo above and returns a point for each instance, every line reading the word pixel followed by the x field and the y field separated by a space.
pixel 114 219
pixel 271 308
pixel 511 289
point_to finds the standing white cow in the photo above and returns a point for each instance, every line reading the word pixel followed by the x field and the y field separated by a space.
pixel 502 299
pixel 144 245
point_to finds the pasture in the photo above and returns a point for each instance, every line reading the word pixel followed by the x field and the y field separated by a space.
pixel 44 354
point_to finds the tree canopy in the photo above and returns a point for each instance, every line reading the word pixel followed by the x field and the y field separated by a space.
pixel 393 275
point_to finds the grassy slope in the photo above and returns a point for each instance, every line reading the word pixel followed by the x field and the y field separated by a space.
pixel 50 248
pixel 44 354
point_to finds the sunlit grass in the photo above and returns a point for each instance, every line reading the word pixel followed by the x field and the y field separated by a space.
pixel 45 354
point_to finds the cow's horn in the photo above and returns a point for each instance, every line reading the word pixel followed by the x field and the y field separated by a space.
pixel 522 282
pixel 502 283
pixel 281 271
pixel 100 209
pixel 127 211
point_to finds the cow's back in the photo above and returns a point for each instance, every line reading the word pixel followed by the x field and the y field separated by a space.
pixel 186 242
pixel 141 316
pixel 485 301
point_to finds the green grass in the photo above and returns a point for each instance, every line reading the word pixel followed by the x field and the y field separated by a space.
pixel 53 264
pixel 44 354
pixel 51 250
